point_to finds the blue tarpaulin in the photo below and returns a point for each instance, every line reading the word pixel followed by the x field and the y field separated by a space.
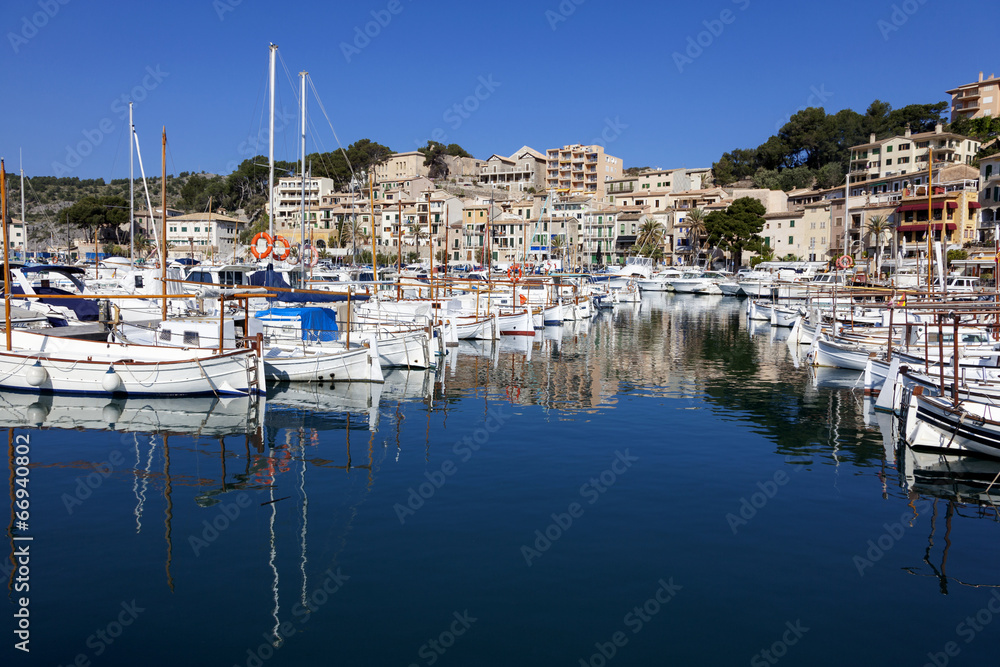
pixel 318 324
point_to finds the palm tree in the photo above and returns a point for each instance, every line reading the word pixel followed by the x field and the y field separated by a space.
pixel 650 233
pixel 878 228
pixel 418 233
pixel 353 232
pixel 557 245
pixel 695 221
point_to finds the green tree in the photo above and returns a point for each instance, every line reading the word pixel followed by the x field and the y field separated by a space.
pixel 434 157
pixel 651 232
pixel 830 175
pixel 696 231
pixel 246 187
pixel 737 228
pixel 956 254
pixel 198 191
pixel 106 216
pixel 557 245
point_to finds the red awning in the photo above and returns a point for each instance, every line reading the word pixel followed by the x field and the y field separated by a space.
pixel 922 227
pixel 922 207
pixel 975 204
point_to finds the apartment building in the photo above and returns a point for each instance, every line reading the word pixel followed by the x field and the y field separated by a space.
pixel 597 233
pixel 287 196
pixel 894 163
pixel 577 169
pixel 202 235
pixel 524 170
pixel 976 100
pixel 657 181
pixel 401 166
pixel 785 234
pixel 989 193
pixel 954 215
pixel 815 224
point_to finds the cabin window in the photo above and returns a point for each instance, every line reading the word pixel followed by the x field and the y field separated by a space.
pixel 165 335
pixel 191 339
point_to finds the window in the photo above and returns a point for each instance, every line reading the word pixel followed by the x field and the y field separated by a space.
pixel 888 162
pixel 791 241
pixel 888 149
pixel 791 223
pixel 184 229
pixel 904 147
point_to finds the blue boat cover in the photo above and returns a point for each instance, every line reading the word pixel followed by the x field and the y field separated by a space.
pixel 86 310
pixel 318 324
pixel 271 278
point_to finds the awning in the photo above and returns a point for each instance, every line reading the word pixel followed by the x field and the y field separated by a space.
pixel 923 207
pixel 975 204
pixel 922 227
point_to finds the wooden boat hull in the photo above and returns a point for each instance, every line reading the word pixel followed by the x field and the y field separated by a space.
pixel 43 364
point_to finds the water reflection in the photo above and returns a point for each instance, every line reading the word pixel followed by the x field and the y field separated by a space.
pixel 316 472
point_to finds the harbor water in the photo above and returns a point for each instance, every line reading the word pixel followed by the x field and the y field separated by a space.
pixel 662 484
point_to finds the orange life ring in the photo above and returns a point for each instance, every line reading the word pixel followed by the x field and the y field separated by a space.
pixel 255 245
pixel 845 261
pixel 283 254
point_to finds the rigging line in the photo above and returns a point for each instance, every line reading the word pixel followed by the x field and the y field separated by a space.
pixel 118 149
pixel 295 96
pixel 322 108
pixel 261 91
pixel 38 200
pixel 170 154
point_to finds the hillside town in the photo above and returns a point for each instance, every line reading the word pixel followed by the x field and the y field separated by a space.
pixel 576 207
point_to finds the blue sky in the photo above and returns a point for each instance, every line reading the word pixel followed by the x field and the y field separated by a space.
pixel 660 84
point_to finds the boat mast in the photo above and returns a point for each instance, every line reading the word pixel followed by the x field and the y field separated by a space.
pixel 24 220
pixel 302 170
pixel 131 190
pixel 371 207
pixel 847 218
pixel 163 239
pixel 930 209
pixel 270 147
